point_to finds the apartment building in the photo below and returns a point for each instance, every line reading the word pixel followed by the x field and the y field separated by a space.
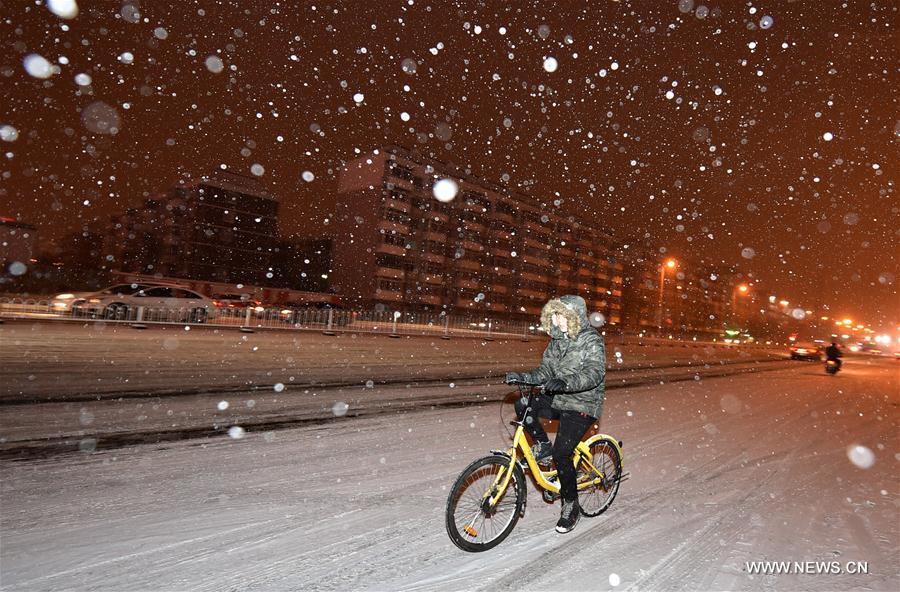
pixel 489 251
pixel 303 264
pixel 220 228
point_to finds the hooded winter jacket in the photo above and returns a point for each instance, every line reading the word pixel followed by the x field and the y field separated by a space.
pixel 577 356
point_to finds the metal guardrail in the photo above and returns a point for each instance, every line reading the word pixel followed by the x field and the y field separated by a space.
pixel 329 321
pixel 392 323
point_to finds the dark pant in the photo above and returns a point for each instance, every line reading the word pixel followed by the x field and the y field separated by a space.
pixel 572 426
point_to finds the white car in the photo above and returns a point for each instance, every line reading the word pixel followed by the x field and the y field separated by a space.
pixel 166 303
pixel 69 302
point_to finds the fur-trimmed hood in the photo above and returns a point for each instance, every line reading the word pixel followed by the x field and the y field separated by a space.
pixel 573 308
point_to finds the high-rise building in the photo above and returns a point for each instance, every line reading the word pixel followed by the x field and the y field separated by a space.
pixel 223 227
pixel 673 295
pixel 17 241
pixel 303 264
pixel 489 250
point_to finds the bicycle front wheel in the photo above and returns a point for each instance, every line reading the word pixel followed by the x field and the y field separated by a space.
pixel 472 523
pixel 596 499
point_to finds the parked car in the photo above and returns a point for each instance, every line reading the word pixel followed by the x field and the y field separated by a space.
pixel 75 301
pixel 806 351
pixel 160 303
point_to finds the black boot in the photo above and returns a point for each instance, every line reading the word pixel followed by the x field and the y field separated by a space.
pixel 568 516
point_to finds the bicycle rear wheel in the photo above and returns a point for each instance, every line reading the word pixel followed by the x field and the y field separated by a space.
pixel 596 499
pixel 471 524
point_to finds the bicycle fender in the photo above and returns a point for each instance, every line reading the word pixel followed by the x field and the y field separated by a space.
pixel 609 439
pixel 517 471
pixel 500 453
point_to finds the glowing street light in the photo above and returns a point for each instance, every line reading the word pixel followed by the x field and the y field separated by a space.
pixel 741 289
pixel 669 264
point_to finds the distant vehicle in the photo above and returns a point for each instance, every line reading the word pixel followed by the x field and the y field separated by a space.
pixel 75 301
pixel 737 337
pixel 806 351
pixel 832 367
pixel 239 301
pixel 294 312
pixel 870 348
pixel 160 303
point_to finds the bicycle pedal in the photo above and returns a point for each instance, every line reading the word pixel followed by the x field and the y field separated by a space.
pixel 549 496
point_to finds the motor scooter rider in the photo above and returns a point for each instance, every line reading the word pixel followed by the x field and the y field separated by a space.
pixel 833 353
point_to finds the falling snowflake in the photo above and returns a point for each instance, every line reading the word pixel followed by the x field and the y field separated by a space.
pixel 214 64
pixel 38 66
pixel 445 190
pixel 861 456
pixel 67 9
pixel 8 133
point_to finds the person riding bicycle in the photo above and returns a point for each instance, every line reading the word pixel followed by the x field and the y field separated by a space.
pixel 572 370
pixel 833 353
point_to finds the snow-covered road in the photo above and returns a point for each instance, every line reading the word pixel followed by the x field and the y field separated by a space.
pixel 61 361
pixel 723 471
pixel 71 386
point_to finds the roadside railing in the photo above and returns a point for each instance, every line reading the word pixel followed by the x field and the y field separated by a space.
pixel 328 321
pixel 393 323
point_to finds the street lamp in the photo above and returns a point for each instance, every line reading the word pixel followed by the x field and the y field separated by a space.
pixel 669 264
pixel 741 289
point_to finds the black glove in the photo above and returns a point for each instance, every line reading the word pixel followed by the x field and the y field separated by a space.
pixel 514 377
pixel 555 385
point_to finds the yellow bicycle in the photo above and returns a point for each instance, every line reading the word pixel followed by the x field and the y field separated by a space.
pixel 489 497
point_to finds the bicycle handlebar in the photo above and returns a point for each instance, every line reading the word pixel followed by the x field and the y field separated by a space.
pixel 523 383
